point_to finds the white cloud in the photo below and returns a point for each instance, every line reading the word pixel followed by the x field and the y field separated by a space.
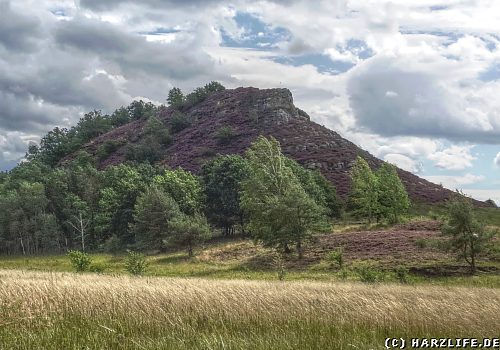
pixel 455 182
pixel 484 194
pixel 497 159
pixel 453 158
pixel 404 162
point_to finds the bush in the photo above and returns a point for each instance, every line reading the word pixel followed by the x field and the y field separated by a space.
pixel 179 122
pixel 368 274
pixel 279 264
pixel 97 268
pixel 136 263
pixel 149 152
pixel 402 274
pixel 79 260
pixel 224 135
pixel 337 256
pixel 107 148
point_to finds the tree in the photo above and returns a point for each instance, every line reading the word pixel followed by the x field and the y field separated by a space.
pixel 175 97
pixel 222 179
pixel 468 237
pixel 117 197
pixel 317 187
pixel 279 210
pixel 392 196
pixel 90 126
pixel 491 203
pixel 214 86
pixel 184 187
pixel 54 146
pixel 364 194
pixel 154 137
pixel 140 109
pixel 179 122
pixel 188 231
pixel 153 214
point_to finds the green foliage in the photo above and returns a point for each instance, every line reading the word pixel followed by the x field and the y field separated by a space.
pixel 184 187
pixel 90 126
pixel 318 188
pixel 53 147
pixel 201 93
pixel 402 274
pixel 214 86
pixel 136 263
pixel 364 195
pixel 337 256
pixel 153 214
pixel 108 147
pixel 179 122
pixel 224 135
pixel 154 138
pixel 279 210
pixel 113 245
pixel 141 110
pixel 175 97
pixel 79 260
pixel 468 237
pixel 367 273
pixel 188 231
pixel 279 263
pixel 222 178
pixel 120 187
pixel 392 197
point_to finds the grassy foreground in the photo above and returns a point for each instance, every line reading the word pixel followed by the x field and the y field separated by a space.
pixel 41 310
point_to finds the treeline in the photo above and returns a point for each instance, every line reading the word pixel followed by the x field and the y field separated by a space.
pixel 155 136
pixel 48 207
pixel 146 207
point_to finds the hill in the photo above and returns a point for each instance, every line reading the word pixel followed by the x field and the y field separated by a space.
pixel 242 114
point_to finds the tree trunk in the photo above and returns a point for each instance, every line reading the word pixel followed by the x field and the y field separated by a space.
pixel 190 251
pixel 473 258
pixel 299 249
pixel 22 244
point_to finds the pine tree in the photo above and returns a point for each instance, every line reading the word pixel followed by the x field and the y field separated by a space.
pixel 175 97
pixel 153 213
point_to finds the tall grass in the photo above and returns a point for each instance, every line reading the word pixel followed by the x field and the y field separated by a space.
pixel 68 311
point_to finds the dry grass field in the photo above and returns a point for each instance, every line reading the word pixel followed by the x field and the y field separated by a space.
pixel 44 310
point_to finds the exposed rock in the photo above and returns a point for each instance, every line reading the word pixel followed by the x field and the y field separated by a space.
pixel 251 112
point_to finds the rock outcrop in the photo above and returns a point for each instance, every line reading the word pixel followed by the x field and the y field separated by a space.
pixel 251 112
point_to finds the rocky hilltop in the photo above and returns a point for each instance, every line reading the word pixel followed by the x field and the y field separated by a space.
pixel 250 112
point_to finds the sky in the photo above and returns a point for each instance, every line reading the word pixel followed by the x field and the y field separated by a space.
pixel 414 82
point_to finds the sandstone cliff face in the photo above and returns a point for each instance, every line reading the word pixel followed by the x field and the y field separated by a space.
pixel 251 112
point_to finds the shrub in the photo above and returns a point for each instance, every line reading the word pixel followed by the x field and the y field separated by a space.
pixel 224 135
pixel 279 264
pixel 136 263
pixel 149 152
pixel 343 273
pixel 337 256
pixel 179 122
pixel 368 273
pixel 97 268
pixel 107 148
pixel 79 260
pixel 402 274
pixel 421 243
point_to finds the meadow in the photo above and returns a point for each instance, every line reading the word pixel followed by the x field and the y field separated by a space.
pixel 43 310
